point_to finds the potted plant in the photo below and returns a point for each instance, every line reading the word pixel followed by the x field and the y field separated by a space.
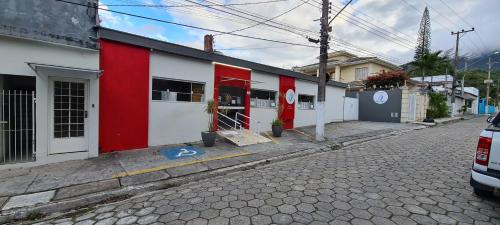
pixel 277 127
pixel 277 124
pixel 209 136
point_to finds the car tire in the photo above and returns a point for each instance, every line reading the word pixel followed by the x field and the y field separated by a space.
pixel 483 193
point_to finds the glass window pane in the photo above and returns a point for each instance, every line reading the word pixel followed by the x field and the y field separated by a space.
pixel 171 90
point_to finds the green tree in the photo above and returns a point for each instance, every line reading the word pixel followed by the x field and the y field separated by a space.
pixel 434 63
pixel 424 36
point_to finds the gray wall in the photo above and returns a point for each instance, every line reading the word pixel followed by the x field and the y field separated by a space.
pixel 390 111
pixel 49 20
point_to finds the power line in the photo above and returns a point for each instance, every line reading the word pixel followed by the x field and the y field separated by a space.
pixel 234 14
pixel 374 31
pixel 186 25
pixel 461 18
pixel 379 27
pixel 183 5
pixel 279 15
pixel 252 14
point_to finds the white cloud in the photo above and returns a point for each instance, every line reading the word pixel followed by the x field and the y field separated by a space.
pixel 396 16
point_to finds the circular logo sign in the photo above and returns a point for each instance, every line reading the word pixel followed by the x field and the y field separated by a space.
pixel 290 96
pixel 380 97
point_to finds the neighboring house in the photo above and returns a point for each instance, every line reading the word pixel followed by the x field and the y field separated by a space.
pixel 345 67
pixel 55 57
pixel 443 84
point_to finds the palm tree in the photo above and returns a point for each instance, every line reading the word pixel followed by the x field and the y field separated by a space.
pixel 432 64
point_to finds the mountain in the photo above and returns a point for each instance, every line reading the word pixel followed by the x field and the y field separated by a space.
pixel 481 62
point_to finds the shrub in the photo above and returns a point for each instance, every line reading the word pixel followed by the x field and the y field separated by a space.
pixel 387 78
pixel 437 106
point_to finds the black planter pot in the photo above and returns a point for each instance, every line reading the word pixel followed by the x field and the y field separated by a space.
pixel 208 138
pixel 277 130
pixel 429 120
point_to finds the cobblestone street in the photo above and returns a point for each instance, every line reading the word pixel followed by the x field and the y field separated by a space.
pixel 420 177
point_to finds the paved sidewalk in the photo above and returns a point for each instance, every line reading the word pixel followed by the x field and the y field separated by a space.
pixel 27 187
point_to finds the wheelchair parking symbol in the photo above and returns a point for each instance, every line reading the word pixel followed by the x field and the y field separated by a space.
pixel 181 152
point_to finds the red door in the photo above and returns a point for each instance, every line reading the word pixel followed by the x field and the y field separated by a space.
pixel 287 101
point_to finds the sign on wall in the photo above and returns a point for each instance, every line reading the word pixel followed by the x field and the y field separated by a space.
pixel 290 96
pixel 380 97
pixel 51 21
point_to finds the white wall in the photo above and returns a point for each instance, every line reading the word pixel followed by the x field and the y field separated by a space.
pixel 305 117
pixel 334 105
pixel 16 54
pixel 178 122
pixel 264 115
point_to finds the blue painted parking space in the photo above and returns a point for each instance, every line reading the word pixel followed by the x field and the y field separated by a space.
pixel 181 152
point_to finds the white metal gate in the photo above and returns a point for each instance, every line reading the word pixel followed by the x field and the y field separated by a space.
pixel 17 126
pixel 412 110
pixel 351 108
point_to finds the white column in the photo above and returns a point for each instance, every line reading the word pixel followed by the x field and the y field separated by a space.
pixel 337 73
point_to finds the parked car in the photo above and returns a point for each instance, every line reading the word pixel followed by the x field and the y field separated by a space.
pixel 485 174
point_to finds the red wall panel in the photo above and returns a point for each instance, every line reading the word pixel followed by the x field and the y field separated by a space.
pixel 123 97
pixel 288 113
pixel 243 76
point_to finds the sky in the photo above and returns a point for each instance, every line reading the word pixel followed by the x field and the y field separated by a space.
pixel 384 28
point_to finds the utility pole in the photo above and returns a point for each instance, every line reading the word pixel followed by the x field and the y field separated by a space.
pixel 488 82
pixel 463 78
pixel 455 65
pixel 323 56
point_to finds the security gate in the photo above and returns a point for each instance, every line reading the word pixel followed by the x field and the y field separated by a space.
pixel 17 142
pixel 380 105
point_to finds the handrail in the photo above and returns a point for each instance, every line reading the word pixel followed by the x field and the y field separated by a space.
pixel 231 119
pixel 251 119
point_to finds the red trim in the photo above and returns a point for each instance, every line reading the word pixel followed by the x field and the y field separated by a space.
pixel 123 97
pixel 243 77
pixel 288 113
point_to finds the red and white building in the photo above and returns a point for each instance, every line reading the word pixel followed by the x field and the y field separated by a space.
pixel 135 92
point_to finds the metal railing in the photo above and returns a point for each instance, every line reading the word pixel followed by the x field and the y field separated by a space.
pixel 248 123
pixel 237 127
pixel 17 126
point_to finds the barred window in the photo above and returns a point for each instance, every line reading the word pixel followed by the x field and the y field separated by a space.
pixel 177 91
pixel 262 99
pixel 306 102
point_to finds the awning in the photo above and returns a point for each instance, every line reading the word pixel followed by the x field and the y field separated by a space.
pixel 63 71
pixel 238 79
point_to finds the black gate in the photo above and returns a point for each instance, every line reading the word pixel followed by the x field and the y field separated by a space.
pixel 380 106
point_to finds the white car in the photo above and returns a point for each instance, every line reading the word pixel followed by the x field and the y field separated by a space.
pixel 485 174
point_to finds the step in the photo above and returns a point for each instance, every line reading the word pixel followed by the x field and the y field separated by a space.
pixel 247 138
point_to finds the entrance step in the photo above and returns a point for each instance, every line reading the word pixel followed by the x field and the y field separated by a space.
pixel 247 138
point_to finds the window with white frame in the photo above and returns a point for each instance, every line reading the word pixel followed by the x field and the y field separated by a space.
pixel 306 101
pixel 262 98
pixel 177 91
pixel 361 73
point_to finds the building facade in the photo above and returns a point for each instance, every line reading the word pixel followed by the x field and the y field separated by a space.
pixel 49 77
pixel 346 67
pixel 161 90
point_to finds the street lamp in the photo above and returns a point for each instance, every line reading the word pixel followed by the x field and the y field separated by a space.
pixel 488 82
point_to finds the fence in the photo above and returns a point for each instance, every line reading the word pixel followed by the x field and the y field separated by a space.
pixel 17 142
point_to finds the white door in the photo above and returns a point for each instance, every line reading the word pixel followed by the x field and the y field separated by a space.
pixel 68 130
